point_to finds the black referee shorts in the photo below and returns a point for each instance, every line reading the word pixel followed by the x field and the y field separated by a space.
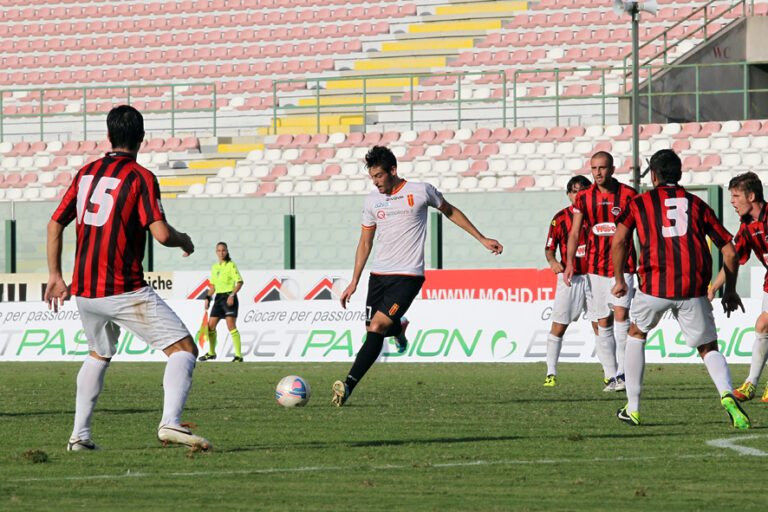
pixel 391 294
pixel 221 309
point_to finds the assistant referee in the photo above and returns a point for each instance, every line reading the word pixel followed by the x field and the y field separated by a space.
pixel 225 283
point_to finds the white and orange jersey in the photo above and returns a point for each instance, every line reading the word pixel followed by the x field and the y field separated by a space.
pixel 400 220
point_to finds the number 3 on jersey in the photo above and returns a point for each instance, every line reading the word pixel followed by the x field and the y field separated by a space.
pixel 677 212
pixel 96 209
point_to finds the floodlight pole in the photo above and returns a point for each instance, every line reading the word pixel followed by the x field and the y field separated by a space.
pixel 635 96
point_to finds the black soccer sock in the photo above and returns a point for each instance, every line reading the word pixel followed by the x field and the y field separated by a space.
pixel 395 329
pixel 365 358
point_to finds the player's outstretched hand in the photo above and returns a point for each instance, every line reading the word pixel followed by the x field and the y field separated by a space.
pixel 55 293
pixel 731 302
pixel 186 244
pixel 568 274
pixel 620 289
pixel 347 294
pixel 493 245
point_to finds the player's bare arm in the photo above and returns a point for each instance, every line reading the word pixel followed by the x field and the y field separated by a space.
pixel 56 290
pixel 731 300
pixel 716 284
pixel 619 257
pixel 457 217
pixel 573 245
pixel 168 236
pixel 364 247
pixel 555 265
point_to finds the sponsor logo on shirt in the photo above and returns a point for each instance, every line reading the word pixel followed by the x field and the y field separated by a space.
pixel 581 251
pixel 381 214
pixel 604 229
pixel 381 204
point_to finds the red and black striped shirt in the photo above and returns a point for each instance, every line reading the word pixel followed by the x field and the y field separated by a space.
pixel 558 237
pixel 753 235
pixel 113 200
pixel 600 211
pixel 672 227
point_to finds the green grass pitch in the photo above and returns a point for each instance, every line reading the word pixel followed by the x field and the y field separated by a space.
pixel 412 437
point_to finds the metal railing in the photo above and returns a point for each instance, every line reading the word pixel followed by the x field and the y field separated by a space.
pixel 667 47
pixel 129 92
pixel 411 103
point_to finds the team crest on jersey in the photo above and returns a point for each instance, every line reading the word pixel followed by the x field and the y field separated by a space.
pixel 393 309
pixel 766 239
pixel 410 200
pixel 615 210
pixel 554 223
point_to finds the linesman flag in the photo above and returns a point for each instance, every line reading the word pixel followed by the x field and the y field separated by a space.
pixel 202 333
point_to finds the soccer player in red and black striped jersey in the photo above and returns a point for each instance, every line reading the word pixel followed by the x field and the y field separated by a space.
pixel 571 301
pixel 747 199
pixel 114 201
pixel 597 209
pixel 674 270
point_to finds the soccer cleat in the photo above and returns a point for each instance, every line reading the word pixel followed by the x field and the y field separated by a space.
pixel 621 384
pixel 182 434
pixel 744 392
pixel 401 342
pixel 765 395
pixel 76 444
pixel 738 416
pixel 610 385
pixel 630 418
pixel 206 357
pixel 237 359
pixel 340 393
pixel 550 381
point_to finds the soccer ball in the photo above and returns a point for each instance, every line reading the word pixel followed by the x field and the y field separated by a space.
pixel 293 391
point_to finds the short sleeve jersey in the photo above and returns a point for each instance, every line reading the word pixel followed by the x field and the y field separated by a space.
pixel 558 238
pixel 224 276
pixel 753 236
pixel 600 211
pixel 400 220
pixel 672 228
pixel 113 201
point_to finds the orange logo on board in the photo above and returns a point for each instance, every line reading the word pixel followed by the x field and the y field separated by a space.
pixel 410 199
pixel 393 309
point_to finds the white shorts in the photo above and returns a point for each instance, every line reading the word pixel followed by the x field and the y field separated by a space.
pixel 765 302
pixel 571 302
pixel 694 316
pixel 141 311
pixel 603 301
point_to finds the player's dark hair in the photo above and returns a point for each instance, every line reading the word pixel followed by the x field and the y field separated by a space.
pixel 667 166
pixel 605 155
pixel 580 180
pixel 227 257
pixel 748 183
pixel 380 156
pixel 125 126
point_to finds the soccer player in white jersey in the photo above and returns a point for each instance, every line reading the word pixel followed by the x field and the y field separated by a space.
pixel 396 213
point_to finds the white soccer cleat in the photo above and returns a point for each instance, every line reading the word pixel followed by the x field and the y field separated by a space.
pixel 76 444
pixel 181 434
pixel 610 385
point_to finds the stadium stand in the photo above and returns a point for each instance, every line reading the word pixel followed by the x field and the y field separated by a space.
pixel 283 144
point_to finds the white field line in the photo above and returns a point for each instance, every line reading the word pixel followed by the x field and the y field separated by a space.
pixel 130 474
pixel 730 443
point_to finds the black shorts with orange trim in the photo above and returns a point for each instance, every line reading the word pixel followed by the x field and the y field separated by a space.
pixel 392 294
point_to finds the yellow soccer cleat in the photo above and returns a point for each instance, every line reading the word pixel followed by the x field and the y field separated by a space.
pixel 550 381
pixel 744 392
pixel 765 395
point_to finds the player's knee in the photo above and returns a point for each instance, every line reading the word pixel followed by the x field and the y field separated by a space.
pixel 378 326
pixel 558 329
pixel 761 326
pixel 635 332
pixel 707 348
pixel 185 344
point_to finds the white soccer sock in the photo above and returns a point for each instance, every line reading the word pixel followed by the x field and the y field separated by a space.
pixel 718 370
pixel 554 344
pixel 620 332
pixel 759 355
pixel 635 367
pixel 176 382
pixel 90 382
pixel 606 350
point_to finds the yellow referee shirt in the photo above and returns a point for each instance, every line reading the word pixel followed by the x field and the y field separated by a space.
pixel 224 277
